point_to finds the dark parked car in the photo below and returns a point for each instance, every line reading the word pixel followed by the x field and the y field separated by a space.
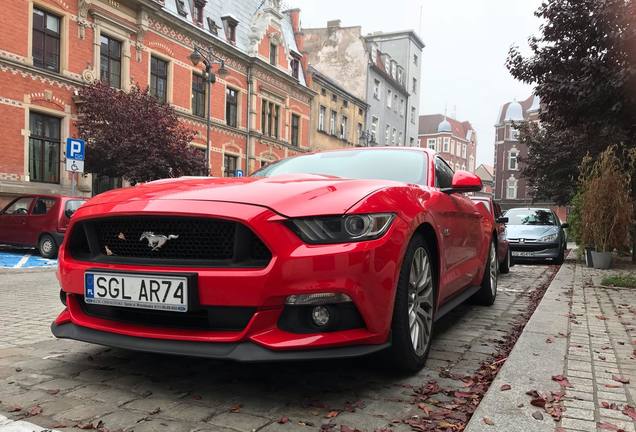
pixel 37 221
pixel 536 234
pixel 503 249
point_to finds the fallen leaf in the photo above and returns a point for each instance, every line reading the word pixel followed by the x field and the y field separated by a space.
pixel 630 411
pixel 14 408
pixel 537 415
pixel 612 386
pixel 332 414
pixel 607 426
pixel 562 380
pixel 236 408
pixel 550 339
pixel 601 317
pixel 53 391
pixel 505 387
pixel 283 420
pixel 488 421
pixel 425 408
pixel 620 379
pixel 34 410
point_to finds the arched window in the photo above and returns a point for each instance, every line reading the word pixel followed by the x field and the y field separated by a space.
pixel 511 188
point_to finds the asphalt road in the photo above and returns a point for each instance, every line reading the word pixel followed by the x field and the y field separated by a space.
pixel 66 384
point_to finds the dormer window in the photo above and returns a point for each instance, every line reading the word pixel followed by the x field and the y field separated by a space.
pixel 295 67
pixel 273 53
pixel 213 27
pixel 181 8
pixel 198 11
pixel 229 24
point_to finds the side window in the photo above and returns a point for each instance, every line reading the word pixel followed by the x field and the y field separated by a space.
pixel 443 174
pixel 42 206
pixel 19 207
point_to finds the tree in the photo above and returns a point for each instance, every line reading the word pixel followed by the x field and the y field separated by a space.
pixel 583 66
pixel 134 136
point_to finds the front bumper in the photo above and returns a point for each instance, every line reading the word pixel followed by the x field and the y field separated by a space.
pixel 367 272
pixel 535 251
pixel 238 351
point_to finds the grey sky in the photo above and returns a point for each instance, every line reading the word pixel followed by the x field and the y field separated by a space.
pixel 466 46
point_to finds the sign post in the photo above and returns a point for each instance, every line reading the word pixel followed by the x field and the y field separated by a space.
pixel 75 152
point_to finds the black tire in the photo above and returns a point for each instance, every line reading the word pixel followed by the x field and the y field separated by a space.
pixel 504 267
pixel 47 246
pixel 403 355
pixel 488 291
pixel 561 258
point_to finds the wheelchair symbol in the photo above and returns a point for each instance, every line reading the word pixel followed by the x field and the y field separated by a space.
pixel 74 167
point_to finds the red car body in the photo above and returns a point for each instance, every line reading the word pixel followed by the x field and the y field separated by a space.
pixel 255 294
pixel 503 249
pixel 30 220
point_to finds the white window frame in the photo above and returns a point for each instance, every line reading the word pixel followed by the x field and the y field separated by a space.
pixel 376 89
pixel 513 155
pixel 389 98
pixel 431 143
pixel 511 188
pixel 374 129
pixel 387 134
pixel 464 146
pixel 446 146
pixel 322 111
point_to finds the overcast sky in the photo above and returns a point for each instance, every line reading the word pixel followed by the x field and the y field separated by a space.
pixel 466 46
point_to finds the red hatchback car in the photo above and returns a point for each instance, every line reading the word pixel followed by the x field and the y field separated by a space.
pixel 335 254
pixel 37 221
pixel 503 250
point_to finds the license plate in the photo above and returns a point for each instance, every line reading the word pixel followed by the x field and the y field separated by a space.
pixel 521 253
pixel 159 292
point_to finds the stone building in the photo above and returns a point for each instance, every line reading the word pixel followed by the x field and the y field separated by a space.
pixel 455 141
pixel 338 117
pixel 50 48
pixel 371 73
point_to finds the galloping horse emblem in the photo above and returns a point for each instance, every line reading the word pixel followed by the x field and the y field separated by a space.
pixel 155 241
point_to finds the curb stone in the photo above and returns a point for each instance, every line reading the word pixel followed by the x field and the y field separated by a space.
pixel 7 425
pixel 531 365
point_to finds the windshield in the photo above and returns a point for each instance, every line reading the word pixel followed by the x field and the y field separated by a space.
pixel 530 217
pixel 385 164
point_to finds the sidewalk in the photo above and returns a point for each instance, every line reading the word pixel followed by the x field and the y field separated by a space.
pixel 574 366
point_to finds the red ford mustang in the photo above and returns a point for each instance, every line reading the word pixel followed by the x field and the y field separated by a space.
pixel 335 254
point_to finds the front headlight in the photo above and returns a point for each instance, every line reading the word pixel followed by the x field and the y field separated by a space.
pixel 549 238
pixel 341 229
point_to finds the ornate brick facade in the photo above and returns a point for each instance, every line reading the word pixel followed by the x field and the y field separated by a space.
pixel 167 31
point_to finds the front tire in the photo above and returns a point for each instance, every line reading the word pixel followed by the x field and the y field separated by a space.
pixel 47 246
pixel 504 268
pixel 414 309
pixel 488 290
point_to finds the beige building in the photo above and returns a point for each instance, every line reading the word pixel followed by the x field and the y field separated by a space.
pixel 338 117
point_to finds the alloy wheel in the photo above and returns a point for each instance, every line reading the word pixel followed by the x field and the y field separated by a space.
pixel 420 301
pixel 47 246
pixel 494 268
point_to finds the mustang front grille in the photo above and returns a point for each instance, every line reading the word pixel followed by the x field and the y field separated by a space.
pixel 167 240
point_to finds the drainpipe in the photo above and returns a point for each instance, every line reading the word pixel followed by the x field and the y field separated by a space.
pixel 248 144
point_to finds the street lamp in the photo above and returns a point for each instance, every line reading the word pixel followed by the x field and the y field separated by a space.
pixel 205 55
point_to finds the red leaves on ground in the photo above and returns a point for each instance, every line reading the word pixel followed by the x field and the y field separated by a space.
pixel 34 410
pixel 550 402
pixel 236 408
pixel 601 317
pixel 488 421
pixel 505 387
pixel 630 411
pixel 612 386
pixel 549 339
pixel 607 405
pixel 562 380
pixel 283 420
pixel 620 379
pixel 332 414
pixel 53 391
pixel 609 427
pixel 14 408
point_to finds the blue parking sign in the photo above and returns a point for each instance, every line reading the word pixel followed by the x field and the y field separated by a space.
pixel 238 173
pixel 75 149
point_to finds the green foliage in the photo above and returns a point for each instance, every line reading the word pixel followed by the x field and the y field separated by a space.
pixel 134 136
pixel 583 66
pixel 606 207
pixel 626 280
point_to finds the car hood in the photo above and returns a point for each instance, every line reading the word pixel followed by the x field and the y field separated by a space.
pixel 290 195
pixel 530 232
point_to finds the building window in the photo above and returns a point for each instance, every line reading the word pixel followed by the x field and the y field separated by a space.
pixel 511 188
pixel 230 164
pixel 458 149
pixel 393 136
pixel 376 89
pixel 452 147
pixel 387 134
pixel 402 107
pixel 229 24
pixel 345 103
pixel 295 129
pixel 463 167
pixel 214 28
pixel 412 141
pixel 431 143
pixel 395 102
pixel 198 95
pixel 514 134
pixel 343 127
pixel 471 163
pixel 332 122
pixel 374 129
pixel 400 138
pixel 295 67
pixel 231 107
pixel 323 92
pixel 389 98
pixel 103 183
pixel 273 53
pixel 512 160
pixel 414 89
pixel 321 118
pixel 359 133
pixel 446 145
pixel 359 111
pixel 464 151
pixel 415 59
pixel 44 148
pixel 181 8
pixel 413 114
pixel 270 115
pixel 456 167
pixel 46 40
pixel 110 61
pixel 159 78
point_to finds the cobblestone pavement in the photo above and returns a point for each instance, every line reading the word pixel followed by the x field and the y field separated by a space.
pixel 601 352
pixel 66 384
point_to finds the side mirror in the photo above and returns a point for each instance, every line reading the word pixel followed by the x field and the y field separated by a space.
pixel 502 220
pixel 565 225
pixel 463 181
pixel 68 213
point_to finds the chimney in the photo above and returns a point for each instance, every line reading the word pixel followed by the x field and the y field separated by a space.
pixel 294 17
pixel 333 24
pixel 299 37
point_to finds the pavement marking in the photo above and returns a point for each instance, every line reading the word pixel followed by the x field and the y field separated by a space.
pixel 22 261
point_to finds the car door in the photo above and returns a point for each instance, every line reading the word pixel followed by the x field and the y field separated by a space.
pixel 470 218
pixel 452 234
pixel 13 221
pixel 41 218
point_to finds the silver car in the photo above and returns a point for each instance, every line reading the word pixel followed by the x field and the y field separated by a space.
pixel 536 234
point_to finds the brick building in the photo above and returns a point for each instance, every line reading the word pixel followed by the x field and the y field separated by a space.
pixel 50 48
pixel 455 141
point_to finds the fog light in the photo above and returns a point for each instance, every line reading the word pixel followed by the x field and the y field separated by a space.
pixel 320 316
